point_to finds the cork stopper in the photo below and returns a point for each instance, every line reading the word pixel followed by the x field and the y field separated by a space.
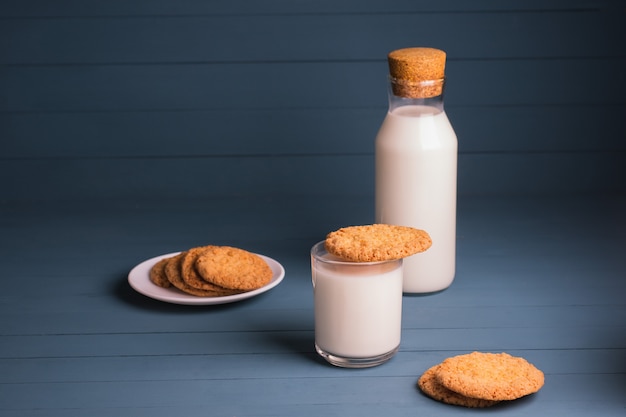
pixel 417 72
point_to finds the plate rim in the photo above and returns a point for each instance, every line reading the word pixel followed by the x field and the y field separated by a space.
pixel 139 280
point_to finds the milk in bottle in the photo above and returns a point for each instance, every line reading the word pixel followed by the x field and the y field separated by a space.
pixel 416 165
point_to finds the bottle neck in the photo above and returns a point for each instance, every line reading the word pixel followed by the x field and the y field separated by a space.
pixel 424 93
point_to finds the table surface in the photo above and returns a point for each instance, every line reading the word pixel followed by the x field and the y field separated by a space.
pixel 541 278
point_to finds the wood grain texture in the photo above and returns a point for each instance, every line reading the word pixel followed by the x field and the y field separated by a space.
pixel 539 278
pixel 301 85
pixel 304 131
pixel 537 83
pixel 130 129
pixel 261 37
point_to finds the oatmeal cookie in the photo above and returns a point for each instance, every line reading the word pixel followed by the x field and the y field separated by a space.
pixel 233 268
pixel 376 242
pixel 430 386
pixel 157 274
pixel 191 277
pixel 174 275
pixel 490 376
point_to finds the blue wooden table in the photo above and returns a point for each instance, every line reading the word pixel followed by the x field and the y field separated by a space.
pixel 135 128
pixel 540 278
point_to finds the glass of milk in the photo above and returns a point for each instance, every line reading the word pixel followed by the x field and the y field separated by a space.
pixel 358 309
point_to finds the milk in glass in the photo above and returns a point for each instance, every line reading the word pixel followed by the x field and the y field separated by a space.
pixel 358 309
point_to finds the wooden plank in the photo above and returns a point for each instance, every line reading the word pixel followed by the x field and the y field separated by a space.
pixel 538 128
pixel 539 173
pixel 352 175
pixel 481 334
pixel 298 131
pixel 175 367
pixel 143 315
pixel 392 396
pixel 331 410
pixel 263 86
pixel 345 37
pixel 179 178
pixel 65 8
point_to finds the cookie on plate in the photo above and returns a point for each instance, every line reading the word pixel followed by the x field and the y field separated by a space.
pixel 430 386
pixel 191 277
pixel 174 275
pixel 233 268
pixel 490 376
pixel 157 274
pixel 376 242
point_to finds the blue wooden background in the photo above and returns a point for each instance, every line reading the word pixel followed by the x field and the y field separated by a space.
pixel 195 98
pixel 134 128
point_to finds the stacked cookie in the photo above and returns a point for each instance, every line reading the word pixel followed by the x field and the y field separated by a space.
pixel 212 271
pixel 480 379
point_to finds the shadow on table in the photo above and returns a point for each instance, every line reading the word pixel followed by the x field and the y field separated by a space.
pixel 300 342
pixel 122 290
pixel 292 333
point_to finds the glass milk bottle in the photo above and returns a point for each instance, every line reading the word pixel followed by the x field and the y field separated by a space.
pixel 416 165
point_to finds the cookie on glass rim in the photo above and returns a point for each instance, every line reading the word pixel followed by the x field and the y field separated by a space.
pixel 376 242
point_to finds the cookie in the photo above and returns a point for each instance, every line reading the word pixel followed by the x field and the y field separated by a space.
pixel 191 277
pixel 157 274
pixel 490 376
pixel 174 275
pixel 430 386
pixel 233 268
pixel 376 242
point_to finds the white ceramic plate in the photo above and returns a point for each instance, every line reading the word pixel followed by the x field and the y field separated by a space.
pixel 139 279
